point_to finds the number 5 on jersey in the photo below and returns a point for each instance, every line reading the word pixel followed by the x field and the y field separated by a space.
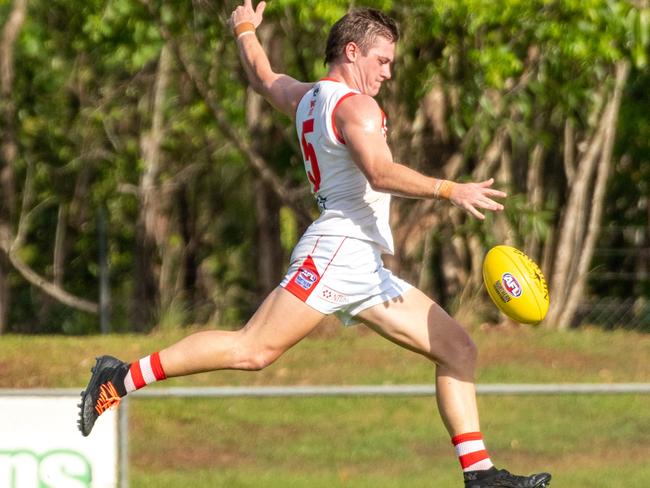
pixel 309 153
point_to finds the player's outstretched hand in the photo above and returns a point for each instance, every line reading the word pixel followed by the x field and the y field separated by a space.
pixel 473 196
pixel 246 13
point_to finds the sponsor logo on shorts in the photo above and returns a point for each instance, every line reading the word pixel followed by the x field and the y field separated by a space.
pixel 306 278
pixel 333 296
pixel 511 285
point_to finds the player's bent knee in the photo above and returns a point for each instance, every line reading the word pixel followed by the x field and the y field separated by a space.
pixel 255 359
pixel 461 357
pixel 261 360
pixel 469 352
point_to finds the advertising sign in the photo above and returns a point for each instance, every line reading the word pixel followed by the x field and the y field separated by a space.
pixel 40 446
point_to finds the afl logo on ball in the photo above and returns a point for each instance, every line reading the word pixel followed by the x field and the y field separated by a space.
pixel 511 285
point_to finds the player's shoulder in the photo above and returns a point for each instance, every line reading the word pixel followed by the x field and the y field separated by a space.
pixel 359 106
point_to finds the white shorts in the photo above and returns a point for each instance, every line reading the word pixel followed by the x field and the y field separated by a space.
pixel 340 275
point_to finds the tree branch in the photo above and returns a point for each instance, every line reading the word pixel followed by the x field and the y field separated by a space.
pixel 49 288
pixel 11 252
pixel 286 195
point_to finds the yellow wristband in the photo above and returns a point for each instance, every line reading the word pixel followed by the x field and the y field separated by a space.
pixel 244 28
pixel 443 189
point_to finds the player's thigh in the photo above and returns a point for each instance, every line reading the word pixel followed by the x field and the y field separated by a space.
pixel 416 322
pixel 280 322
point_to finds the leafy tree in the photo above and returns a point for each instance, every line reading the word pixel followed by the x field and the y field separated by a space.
pixel 141 110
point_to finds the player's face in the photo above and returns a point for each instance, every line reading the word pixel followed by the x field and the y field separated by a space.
pixel 375 66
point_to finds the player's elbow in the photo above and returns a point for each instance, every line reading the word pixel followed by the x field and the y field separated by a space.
pixel 258 86
pixel 261 83
pixel 378 179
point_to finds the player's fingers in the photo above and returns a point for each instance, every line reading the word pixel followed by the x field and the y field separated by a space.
pixel 248 4
pixel 259 10
pixel 494 193
pixel 475 212
pixel 490 204
pixel 471 209
pixel 486 183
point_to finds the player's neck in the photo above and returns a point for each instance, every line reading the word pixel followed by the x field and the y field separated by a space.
pixel 342 75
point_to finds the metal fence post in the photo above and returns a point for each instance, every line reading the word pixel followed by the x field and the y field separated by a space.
pixel 123 435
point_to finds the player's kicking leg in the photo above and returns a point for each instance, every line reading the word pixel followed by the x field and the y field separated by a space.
pixel 281 321
pixel 416 322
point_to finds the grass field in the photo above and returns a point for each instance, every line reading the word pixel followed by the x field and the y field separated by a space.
pixel 584 440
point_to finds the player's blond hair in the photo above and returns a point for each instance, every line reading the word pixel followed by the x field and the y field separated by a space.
pixel 361 26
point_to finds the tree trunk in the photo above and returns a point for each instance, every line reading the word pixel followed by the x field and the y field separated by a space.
pixel 8 144
pixel 151 228
pixel 269 252
pixel 58 265
pixel 585 256
pixel 190 264
pixel 5 297
pixel 535 191
pixel 580 224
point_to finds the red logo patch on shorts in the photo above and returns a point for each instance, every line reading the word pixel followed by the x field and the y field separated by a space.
pixel 305 279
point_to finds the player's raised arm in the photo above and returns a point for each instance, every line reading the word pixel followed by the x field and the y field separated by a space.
pixel 282 91
pixel 360 120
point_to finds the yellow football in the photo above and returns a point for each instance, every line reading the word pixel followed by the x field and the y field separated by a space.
pixel 515 284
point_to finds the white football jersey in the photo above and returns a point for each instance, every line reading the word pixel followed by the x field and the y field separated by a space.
pixel 348 205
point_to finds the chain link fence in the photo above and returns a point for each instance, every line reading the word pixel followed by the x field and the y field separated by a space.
pixel 619 283
pixel 614 312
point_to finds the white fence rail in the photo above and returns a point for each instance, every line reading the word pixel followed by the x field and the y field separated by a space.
pixel 352 390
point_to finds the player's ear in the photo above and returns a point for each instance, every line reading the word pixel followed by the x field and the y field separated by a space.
pixel 352 51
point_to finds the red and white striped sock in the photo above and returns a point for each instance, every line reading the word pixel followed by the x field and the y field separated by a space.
pixel 143 372
pixel 471 452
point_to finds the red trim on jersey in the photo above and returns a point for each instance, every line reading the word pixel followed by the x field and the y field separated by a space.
pixel 472 458
pixel 136 375
pixel 156 367
pixel 338 136
pixel 384 124
pixel 331 79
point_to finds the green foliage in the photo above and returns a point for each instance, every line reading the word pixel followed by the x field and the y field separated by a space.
pixel 530 222
pixel 85 81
